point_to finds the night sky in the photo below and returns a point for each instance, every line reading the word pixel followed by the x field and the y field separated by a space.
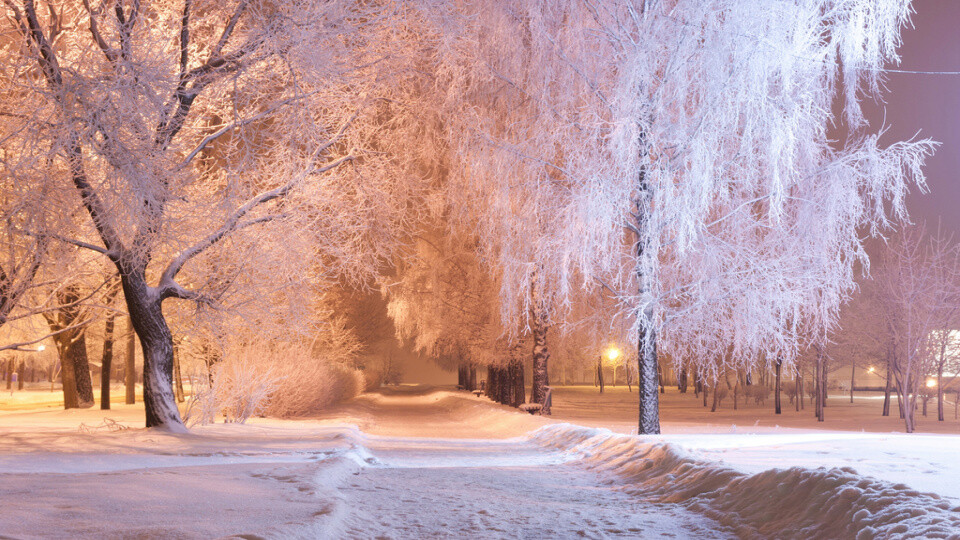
pixel 930 105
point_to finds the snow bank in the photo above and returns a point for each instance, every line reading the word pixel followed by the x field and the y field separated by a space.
pixel 787 503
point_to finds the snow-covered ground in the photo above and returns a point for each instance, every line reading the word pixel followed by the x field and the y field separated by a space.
pixel 419 462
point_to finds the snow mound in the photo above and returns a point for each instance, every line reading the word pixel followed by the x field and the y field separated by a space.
pixel 785 503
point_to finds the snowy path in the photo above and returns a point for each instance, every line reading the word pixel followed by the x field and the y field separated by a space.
pixel 430 488
pixel 427 464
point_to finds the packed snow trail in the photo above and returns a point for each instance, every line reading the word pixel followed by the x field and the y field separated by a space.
pixel 485 488
pixel 425 463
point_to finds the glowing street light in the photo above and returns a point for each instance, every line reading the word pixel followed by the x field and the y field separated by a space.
pixel 931 383
pixel 613 353
pixel 41 348
pixel 871 369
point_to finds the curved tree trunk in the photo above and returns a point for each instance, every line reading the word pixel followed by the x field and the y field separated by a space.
pixel 156 342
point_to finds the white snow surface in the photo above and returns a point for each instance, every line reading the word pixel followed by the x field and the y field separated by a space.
pixel 431 463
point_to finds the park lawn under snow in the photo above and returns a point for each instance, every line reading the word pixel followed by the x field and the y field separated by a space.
pixel 419 462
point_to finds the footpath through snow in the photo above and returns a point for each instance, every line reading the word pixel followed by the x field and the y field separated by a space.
pixel 424 463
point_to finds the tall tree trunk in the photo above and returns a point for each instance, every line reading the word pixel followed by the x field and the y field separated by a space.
pixel 940 392
pixel 649 423
pixel 177 378
pixel 600 372
pixel 853 377
pixel 778 366
pixel 131 365
pixel 106 362
pixel 541 356
pixel 819 386
pixel 886 391
pixel 682 382
pixel 716 387
pixel 797 387
pixel 519 388
pixel 491 382
pixel 81 370
pixel 503 384
pixel 156 342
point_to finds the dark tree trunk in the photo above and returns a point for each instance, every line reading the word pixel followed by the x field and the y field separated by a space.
pixel 492 382
pixel 715 386
pixel 940 392
pixel 797 386
pixel 600 372
pixel 518 387
pixel 131 365
pixel 461 379
pixel 20 373
pixel 819 381
pixel 682 382
pixel 81 370
pixel 886 391
pixel 853 376
pixel 659 380
pixel 471 378
pixel 778 367
pixel 541 356
pixel 156 342
pixel 106 362
pixel 503 384
pixel 68 323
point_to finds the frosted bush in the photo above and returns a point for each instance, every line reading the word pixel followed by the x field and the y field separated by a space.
pixel 241 388
pixel 310 384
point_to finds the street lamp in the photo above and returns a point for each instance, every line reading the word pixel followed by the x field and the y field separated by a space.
pixel 871 369
pixel 41 348
pixel 613 353
pixel 931 383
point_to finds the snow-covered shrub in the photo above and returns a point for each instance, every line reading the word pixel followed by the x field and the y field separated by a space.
pixel 241 388
pixel 309 384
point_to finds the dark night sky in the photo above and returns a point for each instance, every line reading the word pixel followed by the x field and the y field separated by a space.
pixel 930 105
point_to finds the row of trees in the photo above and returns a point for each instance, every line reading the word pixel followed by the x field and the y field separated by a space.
pixel 659 171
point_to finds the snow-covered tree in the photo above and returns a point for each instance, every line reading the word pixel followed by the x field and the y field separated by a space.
pixel 915 291
pixel 186 129
pixel 701 128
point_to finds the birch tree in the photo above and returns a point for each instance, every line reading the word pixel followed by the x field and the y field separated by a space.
pixel 701 129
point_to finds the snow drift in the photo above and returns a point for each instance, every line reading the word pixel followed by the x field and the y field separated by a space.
pixel 786 503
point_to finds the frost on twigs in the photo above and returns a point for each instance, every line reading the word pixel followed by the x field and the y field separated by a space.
pixel 239 389
pixel 678 152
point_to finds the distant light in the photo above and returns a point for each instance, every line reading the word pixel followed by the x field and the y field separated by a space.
pixel 41 348
pixel 931 383
pixel 871 369
pixel 613 353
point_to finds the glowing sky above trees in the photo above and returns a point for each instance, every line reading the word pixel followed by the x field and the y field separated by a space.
pixel 929 104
